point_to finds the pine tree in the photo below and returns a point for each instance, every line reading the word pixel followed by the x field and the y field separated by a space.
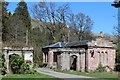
pixel 22 14
pixel 5 18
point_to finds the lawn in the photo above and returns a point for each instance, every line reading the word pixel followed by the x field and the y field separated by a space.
pixel 1 77
pixel 92 74
pixel 95 74
pixel 35 76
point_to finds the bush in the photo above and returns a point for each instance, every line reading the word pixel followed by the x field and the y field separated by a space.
pixel 24 69
pixel 16 61
pixel 19 66
pixel 100 68
pixel 3 68
pixel 117 67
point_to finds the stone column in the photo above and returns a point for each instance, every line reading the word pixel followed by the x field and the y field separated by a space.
pixel 7 64
pixel 47 57
pixel 43 57
pixel 78 62
pixel 50 61
pixel 83 62
pixel 65 61
pixel 7 61
pixel 101 58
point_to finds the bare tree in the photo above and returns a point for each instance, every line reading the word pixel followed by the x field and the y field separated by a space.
pixel 51 16
pixel 42 12
pixel 84 25
pixel 62 17
pixel 81 24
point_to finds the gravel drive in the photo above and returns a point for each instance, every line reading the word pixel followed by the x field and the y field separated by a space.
pixel 59 74
pixel 64 76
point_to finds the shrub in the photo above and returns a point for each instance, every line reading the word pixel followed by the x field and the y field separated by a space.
pixel 117 67
pixel 16 61
pixel 3 68
pixel 19 66
pixel 108 68
pixel 24 68
pixel 100 68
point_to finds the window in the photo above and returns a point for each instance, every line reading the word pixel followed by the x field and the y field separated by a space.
pixel 98 57
pixel 92 53
pixel 55 57
pixel 106 57
pixel 102 57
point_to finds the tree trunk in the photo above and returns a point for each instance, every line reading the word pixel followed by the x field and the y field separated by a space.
pixel 27 37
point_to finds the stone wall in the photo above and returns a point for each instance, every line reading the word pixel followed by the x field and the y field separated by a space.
pixel 21 52
pixel 88 57
pixel 65 61
pixel 64 58
pixel 105 56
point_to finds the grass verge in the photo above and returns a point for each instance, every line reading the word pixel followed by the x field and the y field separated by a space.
pixel 91 74
pixel 35 76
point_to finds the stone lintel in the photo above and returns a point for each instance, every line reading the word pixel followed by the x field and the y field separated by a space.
pixel 70 50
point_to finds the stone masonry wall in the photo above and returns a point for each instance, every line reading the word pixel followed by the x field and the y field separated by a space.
pixel 104 55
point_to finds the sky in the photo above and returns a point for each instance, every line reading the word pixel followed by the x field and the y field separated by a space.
pixel 103 14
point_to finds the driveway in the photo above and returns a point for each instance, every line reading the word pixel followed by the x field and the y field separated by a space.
pixel 59 74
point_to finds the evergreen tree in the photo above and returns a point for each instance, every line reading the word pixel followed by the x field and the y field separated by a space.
pixel 5 17
pixel 22 14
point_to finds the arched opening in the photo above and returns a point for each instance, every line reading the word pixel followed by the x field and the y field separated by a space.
pixel 73 62
pixel 13 57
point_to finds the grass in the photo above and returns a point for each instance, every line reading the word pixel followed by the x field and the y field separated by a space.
pixel 34 76
pixel 1 77
pixel 92 74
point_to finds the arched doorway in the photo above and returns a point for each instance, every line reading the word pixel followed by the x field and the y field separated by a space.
pixel 11 58
pixel 73 62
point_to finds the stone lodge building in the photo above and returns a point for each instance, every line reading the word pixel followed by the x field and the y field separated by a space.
pixel 82 55
pixel 26 52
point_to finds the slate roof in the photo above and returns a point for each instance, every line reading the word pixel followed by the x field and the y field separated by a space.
pixel 56 45
pixel 100 42
pixel 69 44
pixel 77 43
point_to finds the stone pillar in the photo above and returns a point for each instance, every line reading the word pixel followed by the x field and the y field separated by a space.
pixel 43 57
pixel 46 57
pixel 7 61
pixel 78 62
pixel 83 62
pixel 50 61
pixel 7 64
pixel 65 61
pixel 101 58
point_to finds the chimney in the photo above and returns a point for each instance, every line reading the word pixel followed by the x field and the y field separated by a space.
pixel 116 1
pixel 101 34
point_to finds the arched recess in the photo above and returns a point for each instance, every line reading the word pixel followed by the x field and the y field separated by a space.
pixel 10 57
pixel 73 62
